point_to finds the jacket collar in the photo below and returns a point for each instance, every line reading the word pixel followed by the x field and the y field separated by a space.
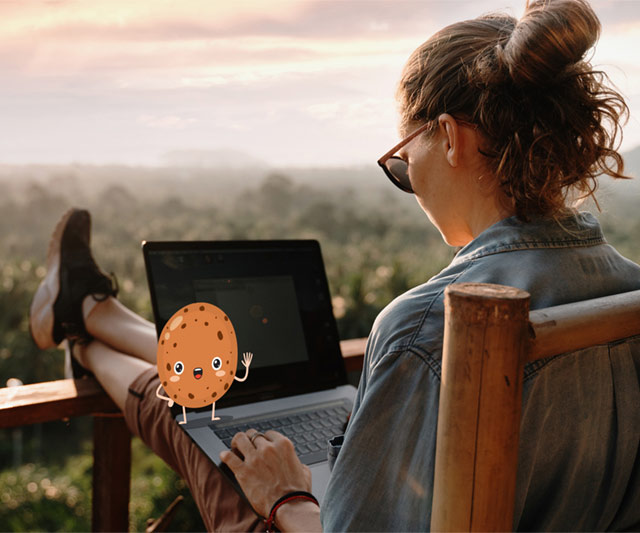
pixel 576 229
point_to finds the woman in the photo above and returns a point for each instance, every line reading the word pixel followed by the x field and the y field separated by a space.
pixel 505 125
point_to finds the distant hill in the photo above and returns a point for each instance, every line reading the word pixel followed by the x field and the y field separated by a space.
pixel 213 159
pixel 632 161
pixel 622 197
pixel 211 175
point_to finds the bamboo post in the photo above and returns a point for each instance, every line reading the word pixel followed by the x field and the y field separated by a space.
pixel 111 473
pixel 480 402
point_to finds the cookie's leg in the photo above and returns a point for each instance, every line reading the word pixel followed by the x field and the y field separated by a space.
pixel 213 412
pixel 184 415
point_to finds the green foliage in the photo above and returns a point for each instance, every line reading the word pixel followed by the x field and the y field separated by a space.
pixel 39 498
pixel 19 356
pixel 58 498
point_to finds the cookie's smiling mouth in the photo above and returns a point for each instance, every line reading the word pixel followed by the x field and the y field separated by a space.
pixel 197 373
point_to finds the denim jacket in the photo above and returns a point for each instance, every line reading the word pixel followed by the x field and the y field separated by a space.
pixel 580 429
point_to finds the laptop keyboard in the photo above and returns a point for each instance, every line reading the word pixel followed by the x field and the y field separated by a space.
pixel 308 429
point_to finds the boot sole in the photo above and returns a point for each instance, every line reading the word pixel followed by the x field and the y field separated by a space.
pixel 41 315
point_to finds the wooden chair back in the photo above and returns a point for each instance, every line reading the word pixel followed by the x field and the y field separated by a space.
pixel 489 336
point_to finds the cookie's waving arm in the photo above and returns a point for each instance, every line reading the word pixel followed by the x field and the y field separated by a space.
pixel 165 398
pixel 247 357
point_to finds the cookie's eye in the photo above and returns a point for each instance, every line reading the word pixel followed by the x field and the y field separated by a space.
pixel 216 363
pixel 178 368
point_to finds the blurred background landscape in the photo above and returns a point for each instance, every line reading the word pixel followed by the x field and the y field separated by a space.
pixel 207 119
pixel 376 243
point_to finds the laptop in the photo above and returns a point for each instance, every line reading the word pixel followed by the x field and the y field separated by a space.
pixel 277 297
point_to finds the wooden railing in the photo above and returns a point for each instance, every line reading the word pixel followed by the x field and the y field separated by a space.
pixel 66 398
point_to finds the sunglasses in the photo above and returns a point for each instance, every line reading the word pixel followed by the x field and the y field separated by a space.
pixel 396 168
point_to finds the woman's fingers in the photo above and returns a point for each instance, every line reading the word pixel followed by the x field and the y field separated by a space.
pixel 282 444
pixel 274 436
pixel 231 460
pixel 241 442
pixel 250 440
pixel 258 439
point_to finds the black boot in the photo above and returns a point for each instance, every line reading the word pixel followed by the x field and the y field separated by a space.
pixel 72 274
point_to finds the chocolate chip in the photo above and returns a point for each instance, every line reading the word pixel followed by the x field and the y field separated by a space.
pixel 164 383
pixel 226 318
pixel 206 323
pixel 191 396
pixel 175 395
pixel 175 344
pixel 186 309
pixel 226 386
pixel 168 367
pixel 202 308
pixel 162 341
pixel 183 326
pixel 232 372
pixel 220 334
pixel 214 394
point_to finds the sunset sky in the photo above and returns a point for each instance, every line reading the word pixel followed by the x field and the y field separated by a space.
pixel 286 82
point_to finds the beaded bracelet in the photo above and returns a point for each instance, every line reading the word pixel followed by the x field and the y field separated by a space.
pixel 296 495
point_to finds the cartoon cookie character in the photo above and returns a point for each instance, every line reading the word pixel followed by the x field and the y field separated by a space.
pixel 197 357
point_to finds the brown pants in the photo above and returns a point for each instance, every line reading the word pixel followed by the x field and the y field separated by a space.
pixel 149 418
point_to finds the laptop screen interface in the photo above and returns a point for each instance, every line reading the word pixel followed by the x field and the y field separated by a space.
pixel 264 313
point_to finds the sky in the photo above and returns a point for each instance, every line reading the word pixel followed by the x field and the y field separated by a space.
pixel 281 82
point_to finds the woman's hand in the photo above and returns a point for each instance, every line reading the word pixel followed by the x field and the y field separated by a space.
pixel 266 467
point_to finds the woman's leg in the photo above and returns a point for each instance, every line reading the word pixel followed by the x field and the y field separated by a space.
pixel 114 370
pixel 115 325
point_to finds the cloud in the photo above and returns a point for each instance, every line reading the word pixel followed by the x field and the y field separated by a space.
pixel 170 122
pixel 359 114
pixel 151 20
pixel 288 80
pixel 207 43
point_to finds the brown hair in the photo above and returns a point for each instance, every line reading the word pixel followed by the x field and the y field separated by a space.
pixel 550 123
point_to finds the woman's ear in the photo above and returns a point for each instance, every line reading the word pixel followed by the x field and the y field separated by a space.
pixel 451 139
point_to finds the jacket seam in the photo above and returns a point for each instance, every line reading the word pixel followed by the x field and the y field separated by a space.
pixel 435 298
pixel 432 363
pixel 531 245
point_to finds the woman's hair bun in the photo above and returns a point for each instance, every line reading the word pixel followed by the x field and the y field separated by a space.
pixel 551 36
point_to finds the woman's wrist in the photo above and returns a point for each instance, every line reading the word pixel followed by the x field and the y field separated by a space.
pixel 298 515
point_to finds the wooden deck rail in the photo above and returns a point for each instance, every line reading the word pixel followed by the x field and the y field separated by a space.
pixel 489 336
pixel 65 398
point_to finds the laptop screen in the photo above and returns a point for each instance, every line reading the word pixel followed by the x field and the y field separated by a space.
pixel 264 312
pixel 277 298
